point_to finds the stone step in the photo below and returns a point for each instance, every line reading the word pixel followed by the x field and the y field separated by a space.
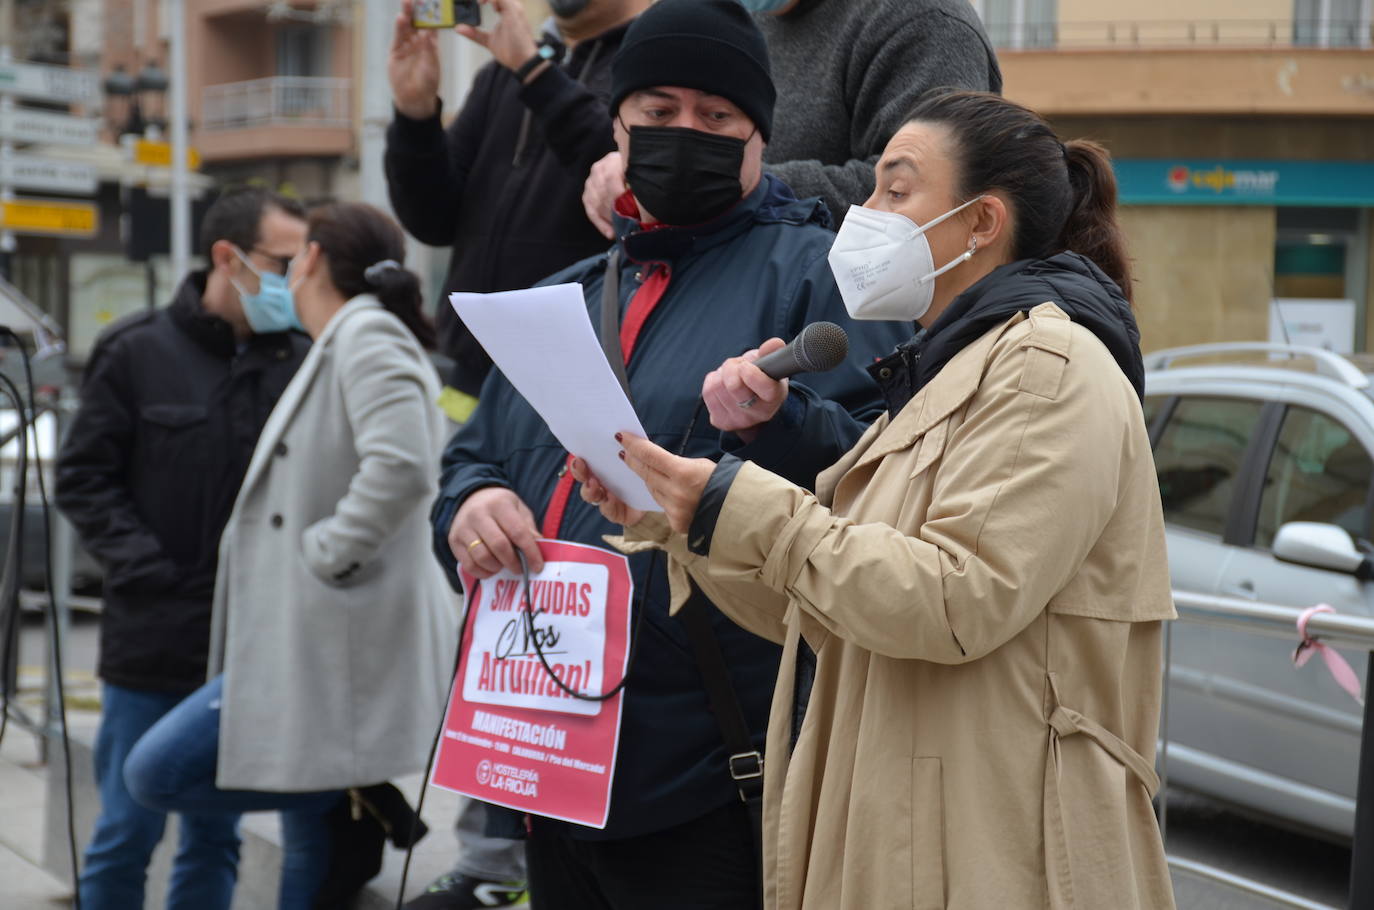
pixel 260 856
pixel 33 833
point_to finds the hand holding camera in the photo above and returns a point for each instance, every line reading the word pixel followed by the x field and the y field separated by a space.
pixel 511 40
pixel 413 63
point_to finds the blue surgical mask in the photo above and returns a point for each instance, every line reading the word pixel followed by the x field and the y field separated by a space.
pixel 764 6
pixel 272 308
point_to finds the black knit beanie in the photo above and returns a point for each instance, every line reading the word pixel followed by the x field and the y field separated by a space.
pixel 709 45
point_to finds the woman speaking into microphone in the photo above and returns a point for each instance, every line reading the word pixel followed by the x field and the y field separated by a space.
pixel 971 604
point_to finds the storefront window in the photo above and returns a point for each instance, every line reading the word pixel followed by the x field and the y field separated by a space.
pixel 1320 273
pixel 1315 253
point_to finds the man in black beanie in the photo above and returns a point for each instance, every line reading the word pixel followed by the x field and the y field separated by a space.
pixel 713 257
pixel 848 72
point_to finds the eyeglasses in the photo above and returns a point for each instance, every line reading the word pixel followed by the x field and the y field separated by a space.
pixel 282 263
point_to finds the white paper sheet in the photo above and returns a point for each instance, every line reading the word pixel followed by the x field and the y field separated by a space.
pixel 543 342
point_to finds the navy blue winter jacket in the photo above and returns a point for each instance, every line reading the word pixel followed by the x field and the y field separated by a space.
pixel 758 271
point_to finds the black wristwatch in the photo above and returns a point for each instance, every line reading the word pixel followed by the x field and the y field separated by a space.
pixel 545 52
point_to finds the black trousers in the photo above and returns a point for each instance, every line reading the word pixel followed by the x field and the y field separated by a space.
pixel 705 864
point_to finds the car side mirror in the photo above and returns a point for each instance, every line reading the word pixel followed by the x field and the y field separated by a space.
pixel 1321 546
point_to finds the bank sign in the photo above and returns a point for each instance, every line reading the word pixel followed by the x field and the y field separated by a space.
pixel 1166 181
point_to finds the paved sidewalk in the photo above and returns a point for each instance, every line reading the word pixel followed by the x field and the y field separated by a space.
pixel 33 840
pixel 24 884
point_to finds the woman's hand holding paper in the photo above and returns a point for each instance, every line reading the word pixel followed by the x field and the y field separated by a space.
pixel 596 493
pixel 675 483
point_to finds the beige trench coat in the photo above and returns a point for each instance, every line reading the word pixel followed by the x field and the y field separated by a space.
pixel 983 579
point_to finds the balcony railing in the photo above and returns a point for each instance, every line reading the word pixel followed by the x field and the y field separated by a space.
pixel 313 101
pixel 1199 33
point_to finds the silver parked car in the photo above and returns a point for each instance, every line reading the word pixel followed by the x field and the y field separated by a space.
pixel 1267 480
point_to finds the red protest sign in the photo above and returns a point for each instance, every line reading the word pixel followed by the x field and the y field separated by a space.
pixel 512 735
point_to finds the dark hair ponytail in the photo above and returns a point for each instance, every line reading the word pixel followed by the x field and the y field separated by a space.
pixel 1092 228
pixel 365 250
pixel 1063 196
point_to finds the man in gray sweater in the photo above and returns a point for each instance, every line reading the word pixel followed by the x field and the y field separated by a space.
pixel 848 72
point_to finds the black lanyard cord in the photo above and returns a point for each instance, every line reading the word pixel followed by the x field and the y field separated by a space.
pixel 643 602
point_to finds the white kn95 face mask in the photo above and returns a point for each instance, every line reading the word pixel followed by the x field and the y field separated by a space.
pixel 883 264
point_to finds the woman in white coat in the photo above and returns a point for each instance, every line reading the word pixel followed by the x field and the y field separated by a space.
pixel 333 629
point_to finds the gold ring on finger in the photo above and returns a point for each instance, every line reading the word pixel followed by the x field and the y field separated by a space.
pixel 476 543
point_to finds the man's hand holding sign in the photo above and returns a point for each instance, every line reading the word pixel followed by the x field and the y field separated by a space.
pixel 527 725
pixel 488 530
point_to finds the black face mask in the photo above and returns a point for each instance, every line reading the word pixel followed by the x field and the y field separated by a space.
pixel 684 176
pixel 566 9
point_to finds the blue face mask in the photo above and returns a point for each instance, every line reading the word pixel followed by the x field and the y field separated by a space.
pixel 764 6
pixel 272 308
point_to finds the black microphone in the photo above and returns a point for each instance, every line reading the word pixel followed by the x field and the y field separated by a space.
pixel 819 347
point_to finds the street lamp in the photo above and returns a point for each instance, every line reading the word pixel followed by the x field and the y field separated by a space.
pixel 119 89
pixel 138 97
pixel 136 109
pixel 152 84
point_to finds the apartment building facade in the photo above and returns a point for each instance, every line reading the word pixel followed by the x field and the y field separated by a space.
pixel 1243 133
pixel 288 94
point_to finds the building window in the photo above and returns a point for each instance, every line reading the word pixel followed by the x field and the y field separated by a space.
pixel 1331 23
pixel 303 50
pixel 1020 23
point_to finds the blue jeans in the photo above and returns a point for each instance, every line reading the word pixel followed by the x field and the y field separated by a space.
pixel 117 856
pixel 172 768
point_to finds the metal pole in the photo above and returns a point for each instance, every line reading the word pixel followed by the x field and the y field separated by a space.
pixel 61 543
pixel 8 243
pixel 181 199
pixel 375 107
pixel 1362 850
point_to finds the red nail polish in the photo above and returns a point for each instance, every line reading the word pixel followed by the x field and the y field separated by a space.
pixel 620 437
pixel 622 456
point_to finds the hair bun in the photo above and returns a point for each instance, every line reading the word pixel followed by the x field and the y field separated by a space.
pixel 376 273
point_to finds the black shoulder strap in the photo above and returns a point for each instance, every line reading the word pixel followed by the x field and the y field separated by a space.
pixel 746 762
pixel 610 321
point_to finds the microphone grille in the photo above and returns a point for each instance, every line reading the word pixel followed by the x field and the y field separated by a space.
pixel 821 346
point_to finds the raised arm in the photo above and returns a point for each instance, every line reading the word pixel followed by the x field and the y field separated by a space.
pixel 427 167
pixel 890 68
pixel 822 414
pixel 1025 486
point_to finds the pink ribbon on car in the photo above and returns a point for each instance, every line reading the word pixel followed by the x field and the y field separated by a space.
pixel 1340 669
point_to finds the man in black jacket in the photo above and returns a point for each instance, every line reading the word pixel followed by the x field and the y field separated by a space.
pixel 171 407
pixel 848 73
pixel 502 185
